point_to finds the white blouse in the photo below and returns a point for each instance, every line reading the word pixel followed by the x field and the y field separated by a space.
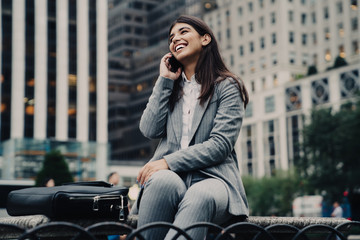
pixel 191 91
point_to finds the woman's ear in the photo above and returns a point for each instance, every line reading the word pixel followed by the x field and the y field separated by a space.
pixel 205 40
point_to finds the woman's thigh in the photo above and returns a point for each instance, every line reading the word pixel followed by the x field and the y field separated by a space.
pixel 208 197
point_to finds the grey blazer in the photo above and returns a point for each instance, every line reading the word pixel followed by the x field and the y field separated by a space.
pixel 215 129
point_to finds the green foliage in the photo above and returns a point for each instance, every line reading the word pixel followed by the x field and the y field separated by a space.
pixel 55 167
pixel 339 62
pixel 330 148
pixel 312 70
pixel 272 195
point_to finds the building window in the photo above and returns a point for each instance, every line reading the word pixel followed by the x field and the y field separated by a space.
pixel 240 11
pixel 261 3
pixel 339 7
pixel 262 22
pixel 252 86
pixel 241 50
pixel 232 60
pixel 342 51
pixel 349 83
pixel 291 16
pixel 354 5
pixel 354 24
pixel 313 17
pixel 262 42
pixel 263 83
pixel 250 168
pixel 251 27
pixel 293 98
pixel 314 38
pixel 274 58
pixel 355 47
pixel 270 104
pixel 292 57
pixel 250 5
pixel 275 80
pixel 303 2
pixel 240 31
pixel 251 47
pixel 327 55
pixel 291 37
pixel 304 39
pixel 262 63
pixel 320 91
pixel 273 38
pixel 273 18
pixel 252 66
pixel 271 149
pixel 249 149
pixel 341 29
pixel 305 59
pixel 228 33
pixel 241 69
pixel 272 167
pixel 303 18
pixel 327 33
pixel 326 13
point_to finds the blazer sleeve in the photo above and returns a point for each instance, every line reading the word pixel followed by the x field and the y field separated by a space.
pixel 153 120
pixel 224 133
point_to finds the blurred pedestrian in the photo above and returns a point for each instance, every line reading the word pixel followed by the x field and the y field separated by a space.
pixel 49 182
pixel 113 178
pixel 338 211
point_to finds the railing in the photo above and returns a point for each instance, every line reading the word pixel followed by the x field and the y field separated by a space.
pixel 241 230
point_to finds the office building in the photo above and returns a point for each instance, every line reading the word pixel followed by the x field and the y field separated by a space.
pixel 272 45
pixel 54 70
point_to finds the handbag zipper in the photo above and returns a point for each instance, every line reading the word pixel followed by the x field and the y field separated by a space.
pixel 97 198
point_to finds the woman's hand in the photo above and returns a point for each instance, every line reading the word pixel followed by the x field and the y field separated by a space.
pixel 149 169
pixel 165 68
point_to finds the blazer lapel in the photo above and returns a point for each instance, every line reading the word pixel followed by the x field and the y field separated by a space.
pixel 176 119
pixel 199 112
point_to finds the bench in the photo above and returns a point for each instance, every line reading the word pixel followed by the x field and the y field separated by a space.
pixel 14 227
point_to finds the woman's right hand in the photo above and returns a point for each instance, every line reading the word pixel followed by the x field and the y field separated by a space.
pixel 165 68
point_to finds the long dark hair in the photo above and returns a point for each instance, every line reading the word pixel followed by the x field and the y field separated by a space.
pixel 210 67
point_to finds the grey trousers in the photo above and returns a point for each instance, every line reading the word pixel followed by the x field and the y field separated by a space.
pixel 182 201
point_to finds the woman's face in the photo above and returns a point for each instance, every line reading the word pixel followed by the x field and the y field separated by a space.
pixel 186 43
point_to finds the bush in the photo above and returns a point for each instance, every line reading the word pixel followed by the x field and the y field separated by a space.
pixel 55 167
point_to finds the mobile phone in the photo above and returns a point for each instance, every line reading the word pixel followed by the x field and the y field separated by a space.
pixel 175 64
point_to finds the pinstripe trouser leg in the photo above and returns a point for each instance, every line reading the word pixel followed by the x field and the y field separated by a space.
pixel 166 198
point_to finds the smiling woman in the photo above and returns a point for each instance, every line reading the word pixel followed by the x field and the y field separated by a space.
pixel 196 111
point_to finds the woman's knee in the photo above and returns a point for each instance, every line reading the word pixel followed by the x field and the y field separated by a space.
pixel 165 180
pixel 211 193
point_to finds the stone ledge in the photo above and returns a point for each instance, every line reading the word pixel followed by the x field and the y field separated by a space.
pixel 32 221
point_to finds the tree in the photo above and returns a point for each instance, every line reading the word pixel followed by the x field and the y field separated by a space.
pixel 339 62
pixel 312 70
pixel 330 148
pixel 269 196
pixel 55 167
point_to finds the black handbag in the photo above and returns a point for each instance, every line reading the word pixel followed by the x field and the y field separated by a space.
pixel 75 200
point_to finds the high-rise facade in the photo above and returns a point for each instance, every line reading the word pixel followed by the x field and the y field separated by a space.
pixel 54 71
pixel 271 45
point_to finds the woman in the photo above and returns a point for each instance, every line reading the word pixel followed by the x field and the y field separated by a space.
pixel 197 113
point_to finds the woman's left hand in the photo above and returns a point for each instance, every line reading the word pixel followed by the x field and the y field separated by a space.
pixel 149 169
